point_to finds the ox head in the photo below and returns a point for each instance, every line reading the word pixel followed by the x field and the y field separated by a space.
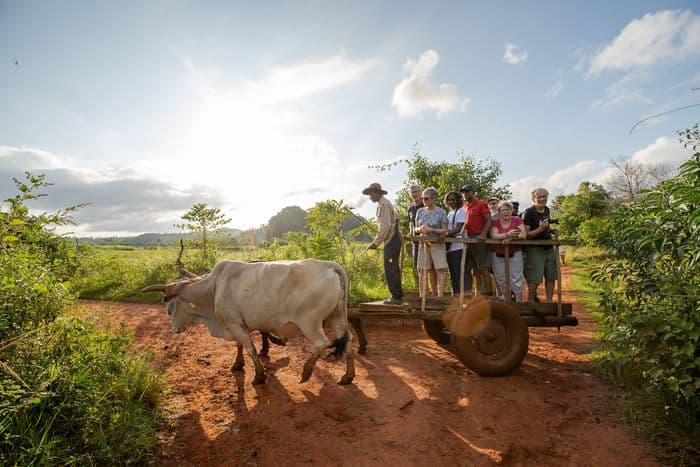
pixel 181 312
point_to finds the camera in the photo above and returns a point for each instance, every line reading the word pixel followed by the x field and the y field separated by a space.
pixel 553 221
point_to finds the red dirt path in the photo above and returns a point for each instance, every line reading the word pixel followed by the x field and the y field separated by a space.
pixel 412 402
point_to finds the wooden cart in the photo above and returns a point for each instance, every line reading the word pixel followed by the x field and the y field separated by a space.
pixel 490 336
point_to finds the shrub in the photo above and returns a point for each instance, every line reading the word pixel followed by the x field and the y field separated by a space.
pixel 77 397
pixel 651 301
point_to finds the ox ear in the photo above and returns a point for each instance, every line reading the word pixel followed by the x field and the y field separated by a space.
pixel 154 288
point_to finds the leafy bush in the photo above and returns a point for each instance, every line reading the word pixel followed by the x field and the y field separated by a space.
pixel 69 393
pixel 77 397
pixel 595 231
pixel 651 301
pixel 30 294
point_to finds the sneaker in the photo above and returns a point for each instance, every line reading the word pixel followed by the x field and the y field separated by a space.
pixel 392 301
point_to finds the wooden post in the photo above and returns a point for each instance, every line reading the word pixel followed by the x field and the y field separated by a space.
pixel 506 262
pixel 462 263
pixel 556 253
pixel 423 279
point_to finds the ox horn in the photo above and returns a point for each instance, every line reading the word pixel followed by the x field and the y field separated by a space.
pixel 154 288
pixel 189 274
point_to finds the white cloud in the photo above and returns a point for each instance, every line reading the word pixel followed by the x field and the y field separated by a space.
pixel 664 150
pixel 626 90
pixel 620 96
pixel 120 200
pixel 554 91
pixel 558 182
pixel 514 54
pixel 305 79
pixel 664 35
pixel 415 94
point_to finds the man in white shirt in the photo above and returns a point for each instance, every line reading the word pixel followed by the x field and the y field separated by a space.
pixel 388 236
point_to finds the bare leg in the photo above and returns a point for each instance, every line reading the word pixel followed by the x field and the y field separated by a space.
pixel 549 289
pixel 434 282
pixel 531 291
pixel 440 281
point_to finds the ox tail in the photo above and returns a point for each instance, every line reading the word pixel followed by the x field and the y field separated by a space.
pixel 338 346
pixel 345 289
pixel 339 342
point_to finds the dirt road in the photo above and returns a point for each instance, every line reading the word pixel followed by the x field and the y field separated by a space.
pixel 413 402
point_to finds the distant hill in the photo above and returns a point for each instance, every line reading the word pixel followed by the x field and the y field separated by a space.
pixel 289 219
pixel 151 239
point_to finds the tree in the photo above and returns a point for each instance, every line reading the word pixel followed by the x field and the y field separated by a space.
pixel 449 176
pixel 589 203
pixel 631 177
pixel 325 236
pixel 201 220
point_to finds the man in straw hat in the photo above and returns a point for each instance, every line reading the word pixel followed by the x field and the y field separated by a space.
pixel 388 236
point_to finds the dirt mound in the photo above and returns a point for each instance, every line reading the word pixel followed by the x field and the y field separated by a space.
pixel 412 402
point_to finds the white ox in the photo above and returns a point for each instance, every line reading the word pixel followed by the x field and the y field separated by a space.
pixel 280 297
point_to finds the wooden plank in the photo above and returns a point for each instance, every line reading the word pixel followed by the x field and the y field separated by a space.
pixel 380 306
pixel 542 308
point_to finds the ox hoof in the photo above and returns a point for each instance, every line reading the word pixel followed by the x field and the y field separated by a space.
pixel 259 379
pixel 236 367
pixel 305 376
pixel 346 380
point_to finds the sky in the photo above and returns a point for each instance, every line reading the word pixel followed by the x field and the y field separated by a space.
pixel 142 109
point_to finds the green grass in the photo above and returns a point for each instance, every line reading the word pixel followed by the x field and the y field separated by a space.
pixel 83 398
pixel 585 260
pixel 109 273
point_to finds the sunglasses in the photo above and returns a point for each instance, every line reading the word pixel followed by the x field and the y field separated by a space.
pixel 426 199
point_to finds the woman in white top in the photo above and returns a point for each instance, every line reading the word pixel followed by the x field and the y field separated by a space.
pixel 431 222
pixel 456 219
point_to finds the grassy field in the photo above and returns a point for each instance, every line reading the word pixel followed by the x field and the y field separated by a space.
pixel 118 272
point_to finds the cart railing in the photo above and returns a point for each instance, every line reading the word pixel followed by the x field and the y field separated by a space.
pixel 424 239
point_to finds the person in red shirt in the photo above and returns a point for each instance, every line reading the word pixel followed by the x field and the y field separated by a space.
pixel 477 226
pixel 508 227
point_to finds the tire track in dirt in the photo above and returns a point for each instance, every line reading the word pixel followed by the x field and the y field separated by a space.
pixel 412 402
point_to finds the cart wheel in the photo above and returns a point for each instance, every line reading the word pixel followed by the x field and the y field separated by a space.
pixel 437 331
pixel 490 338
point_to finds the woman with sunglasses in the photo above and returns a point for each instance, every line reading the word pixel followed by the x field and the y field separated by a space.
pixel 431 223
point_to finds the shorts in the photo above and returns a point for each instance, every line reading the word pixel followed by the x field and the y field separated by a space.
pixel 478 256
pixel 432 257
pixel 540 262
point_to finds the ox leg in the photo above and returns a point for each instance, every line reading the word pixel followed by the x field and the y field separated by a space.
pixel 344 338
pixel 349 362
pixel 242 336
pixel 320 343
pixel 238 363
pixel 265 344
